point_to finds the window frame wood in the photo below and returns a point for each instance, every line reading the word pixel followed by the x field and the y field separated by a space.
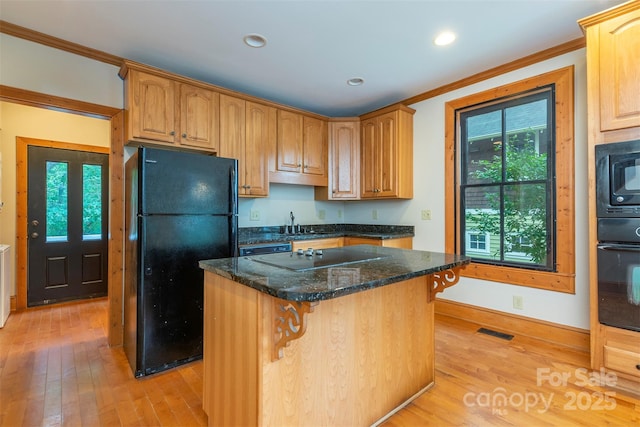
pixel 563 278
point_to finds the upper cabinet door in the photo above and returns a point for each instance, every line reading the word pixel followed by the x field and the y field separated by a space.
pixel 388 152
pixel 261 132
pixel 314 147
pixel 620 72
pixel 289 142
pixel 369 166
pixel 344 160
pixel 152 115
pixel 199 117
pixel 232 130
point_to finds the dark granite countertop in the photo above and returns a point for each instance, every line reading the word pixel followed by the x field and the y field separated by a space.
pixel 254 235
pixel 318 282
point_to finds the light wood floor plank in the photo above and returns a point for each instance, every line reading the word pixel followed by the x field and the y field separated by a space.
pixel 57 369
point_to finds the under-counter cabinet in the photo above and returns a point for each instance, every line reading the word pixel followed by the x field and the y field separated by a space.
pixel 333 242
pixel 164 111
pixel 400 242
pixel 613 104
pixel 344 161
pixel 247 131
pixel 300 155
pixel 386 153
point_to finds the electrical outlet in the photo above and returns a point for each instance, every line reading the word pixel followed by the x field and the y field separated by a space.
pixel 374 214
pixel 322 214
pixel 339 213
pixel 518 303
pixel 425 214
pixel 254 215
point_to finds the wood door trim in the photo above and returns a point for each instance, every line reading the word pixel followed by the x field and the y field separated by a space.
pixel 35 99
pixel 22 191
pixel 116 194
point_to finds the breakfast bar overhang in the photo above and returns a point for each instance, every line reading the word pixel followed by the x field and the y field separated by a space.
pixel 339 338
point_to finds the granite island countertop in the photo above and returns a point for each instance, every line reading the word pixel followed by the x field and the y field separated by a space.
pixel 295 277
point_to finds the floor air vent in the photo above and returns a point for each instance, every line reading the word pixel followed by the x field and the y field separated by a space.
pixel 495 334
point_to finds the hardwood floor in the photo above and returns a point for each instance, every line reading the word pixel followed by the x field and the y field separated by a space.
pixel 57 369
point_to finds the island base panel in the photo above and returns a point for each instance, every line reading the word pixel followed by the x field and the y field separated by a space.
pixel 361 356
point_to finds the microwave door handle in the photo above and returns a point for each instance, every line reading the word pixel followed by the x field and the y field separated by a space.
pixel 625 248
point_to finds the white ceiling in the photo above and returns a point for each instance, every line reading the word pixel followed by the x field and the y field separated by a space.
pixel 313 46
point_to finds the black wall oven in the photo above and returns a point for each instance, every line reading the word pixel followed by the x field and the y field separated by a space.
pixel 619 273
pixel 618 253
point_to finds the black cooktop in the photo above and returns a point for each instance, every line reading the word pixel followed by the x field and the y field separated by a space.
pixel 329 258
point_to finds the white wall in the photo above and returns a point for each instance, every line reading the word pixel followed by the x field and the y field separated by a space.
pixel 285 198
pixel 35 67
pixel 572 310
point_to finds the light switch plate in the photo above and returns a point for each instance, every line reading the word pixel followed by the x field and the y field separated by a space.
pixel 254 215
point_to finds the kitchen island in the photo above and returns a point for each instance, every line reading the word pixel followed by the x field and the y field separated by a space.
pixel 343 337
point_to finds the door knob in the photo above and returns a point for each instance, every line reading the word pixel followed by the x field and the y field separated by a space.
pixel 34 235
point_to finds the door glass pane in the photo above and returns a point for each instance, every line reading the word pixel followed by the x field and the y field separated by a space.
pixel 57 186
pixel 91 202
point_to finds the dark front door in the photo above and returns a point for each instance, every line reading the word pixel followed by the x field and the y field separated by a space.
pixel 67 225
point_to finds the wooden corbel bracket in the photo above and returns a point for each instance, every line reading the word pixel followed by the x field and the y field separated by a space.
pixel 443 280
pixel 289 323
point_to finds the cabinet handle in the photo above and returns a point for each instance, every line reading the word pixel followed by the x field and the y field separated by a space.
pixel 299 165
pixel 638 367
pixel 184 135
pixel 172 133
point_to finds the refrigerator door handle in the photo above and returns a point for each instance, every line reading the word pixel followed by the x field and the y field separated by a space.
pixel 233 190
pixel 233 221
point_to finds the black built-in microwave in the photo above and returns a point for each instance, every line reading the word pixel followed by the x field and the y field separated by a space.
pixel 618 179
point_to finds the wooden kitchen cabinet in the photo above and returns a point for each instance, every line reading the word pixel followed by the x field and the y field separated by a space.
pixel 401 242
pixel 343 161
pixel 613 75
pixel 247 130
pixel 198 118
pixel 163 111
pixel 300 155
pixel 386 152
pixel 151 107
pixel 613 111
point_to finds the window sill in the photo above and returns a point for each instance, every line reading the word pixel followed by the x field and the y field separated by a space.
pixel 552 281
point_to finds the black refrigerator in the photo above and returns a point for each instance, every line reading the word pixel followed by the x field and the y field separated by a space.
pixel 181 208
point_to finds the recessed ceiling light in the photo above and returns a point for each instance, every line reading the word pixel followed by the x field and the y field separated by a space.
pixel 255 40
pixel 444 38
pixel 356 81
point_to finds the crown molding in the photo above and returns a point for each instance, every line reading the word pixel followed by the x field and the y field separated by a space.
pixel 37 37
